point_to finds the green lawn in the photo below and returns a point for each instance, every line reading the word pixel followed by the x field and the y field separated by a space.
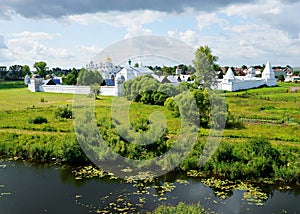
pixel 275 103
pixel 274 120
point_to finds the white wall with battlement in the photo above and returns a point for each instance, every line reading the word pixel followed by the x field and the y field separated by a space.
pixel 230 82
pixel 72 89
pixel 241 85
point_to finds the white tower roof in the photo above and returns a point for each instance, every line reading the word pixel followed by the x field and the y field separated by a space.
pixel 229 75
pixel 268 71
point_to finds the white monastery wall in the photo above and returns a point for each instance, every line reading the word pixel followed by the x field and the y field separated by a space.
pixel 70 89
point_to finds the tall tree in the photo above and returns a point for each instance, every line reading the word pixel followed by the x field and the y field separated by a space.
pixel 25 70
pixel 71 78
pixel 244 67
pixel 87 77
pixel 204 63
pixel 41 68
pixel 3 71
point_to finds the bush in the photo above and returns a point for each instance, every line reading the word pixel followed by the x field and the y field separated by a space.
pixel 38 120
pixel 281 78
pixel 63 112
pixel 171 105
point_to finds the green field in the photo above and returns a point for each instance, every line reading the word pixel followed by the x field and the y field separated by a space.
pixel 272 114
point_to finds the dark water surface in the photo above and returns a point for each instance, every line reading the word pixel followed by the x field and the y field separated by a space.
pixel 32 188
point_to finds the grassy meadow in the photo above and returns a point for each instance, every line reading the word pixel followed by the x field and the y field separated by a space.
pixel 272 113
pixel 269 113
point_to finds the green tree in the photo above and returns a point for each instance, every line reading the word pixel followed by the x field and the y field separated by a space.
pixel 75 72
pixel 14 72
pixel 25 70
pixel 171 105
pixel 41 68
pixel 70 79
pixel 204 64
pixel 168 89
pixel 3 71
pixel 281 78
pixel 141 85
pixel 95 89
pixel 168 70
pixel 217 67
pixel 146 89
pixel 184 68
pixel 244 67
pixel 87 77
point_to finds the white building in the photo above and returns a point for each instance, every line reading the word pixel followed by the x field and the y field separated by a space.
pixel 230 82
pixel 129 72
pixel 106 68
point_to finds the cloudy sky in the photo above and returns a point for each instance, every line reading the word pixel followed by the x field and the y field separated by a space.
pixel 69 33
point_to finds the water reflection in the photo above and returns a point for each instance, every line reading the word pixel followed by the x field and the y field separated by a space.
pixel 39 188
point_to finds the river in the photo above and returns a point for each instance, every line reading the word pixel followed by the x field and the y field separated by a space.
pixel 34 188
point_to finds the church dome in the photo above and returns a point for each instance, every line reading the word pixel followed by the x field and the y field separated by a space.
pixel 107 59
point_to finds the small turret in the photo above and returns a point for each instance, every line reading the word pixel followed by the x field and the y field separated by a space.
pixel 35 83
pixel 268 72
pixel 27 79
pixel 119 84
pixel 229 76
pixel 268 75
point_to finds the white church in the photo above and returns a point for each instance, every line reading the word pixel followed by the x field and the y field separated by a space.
pixel 106 68
pixel 129 73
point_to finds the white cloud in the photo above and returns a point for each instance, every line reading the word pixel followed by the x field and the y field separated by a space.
pixel 5 54
pixel 275 13
pixel 132 21
pixel 116 19
pixel 171 33
pixel 88 52
pixel 189 37
pixel 28 47
pixel 249 46
pixel 33 35
pixel 136 30
pixel 2 44
pixel 208 19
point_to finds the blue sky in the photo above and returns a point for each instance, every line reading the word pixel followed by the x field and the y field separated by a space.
pixel 70 33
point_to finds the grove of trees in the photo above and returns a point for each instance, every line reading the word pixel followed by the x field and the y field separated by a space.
pixel 15 72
